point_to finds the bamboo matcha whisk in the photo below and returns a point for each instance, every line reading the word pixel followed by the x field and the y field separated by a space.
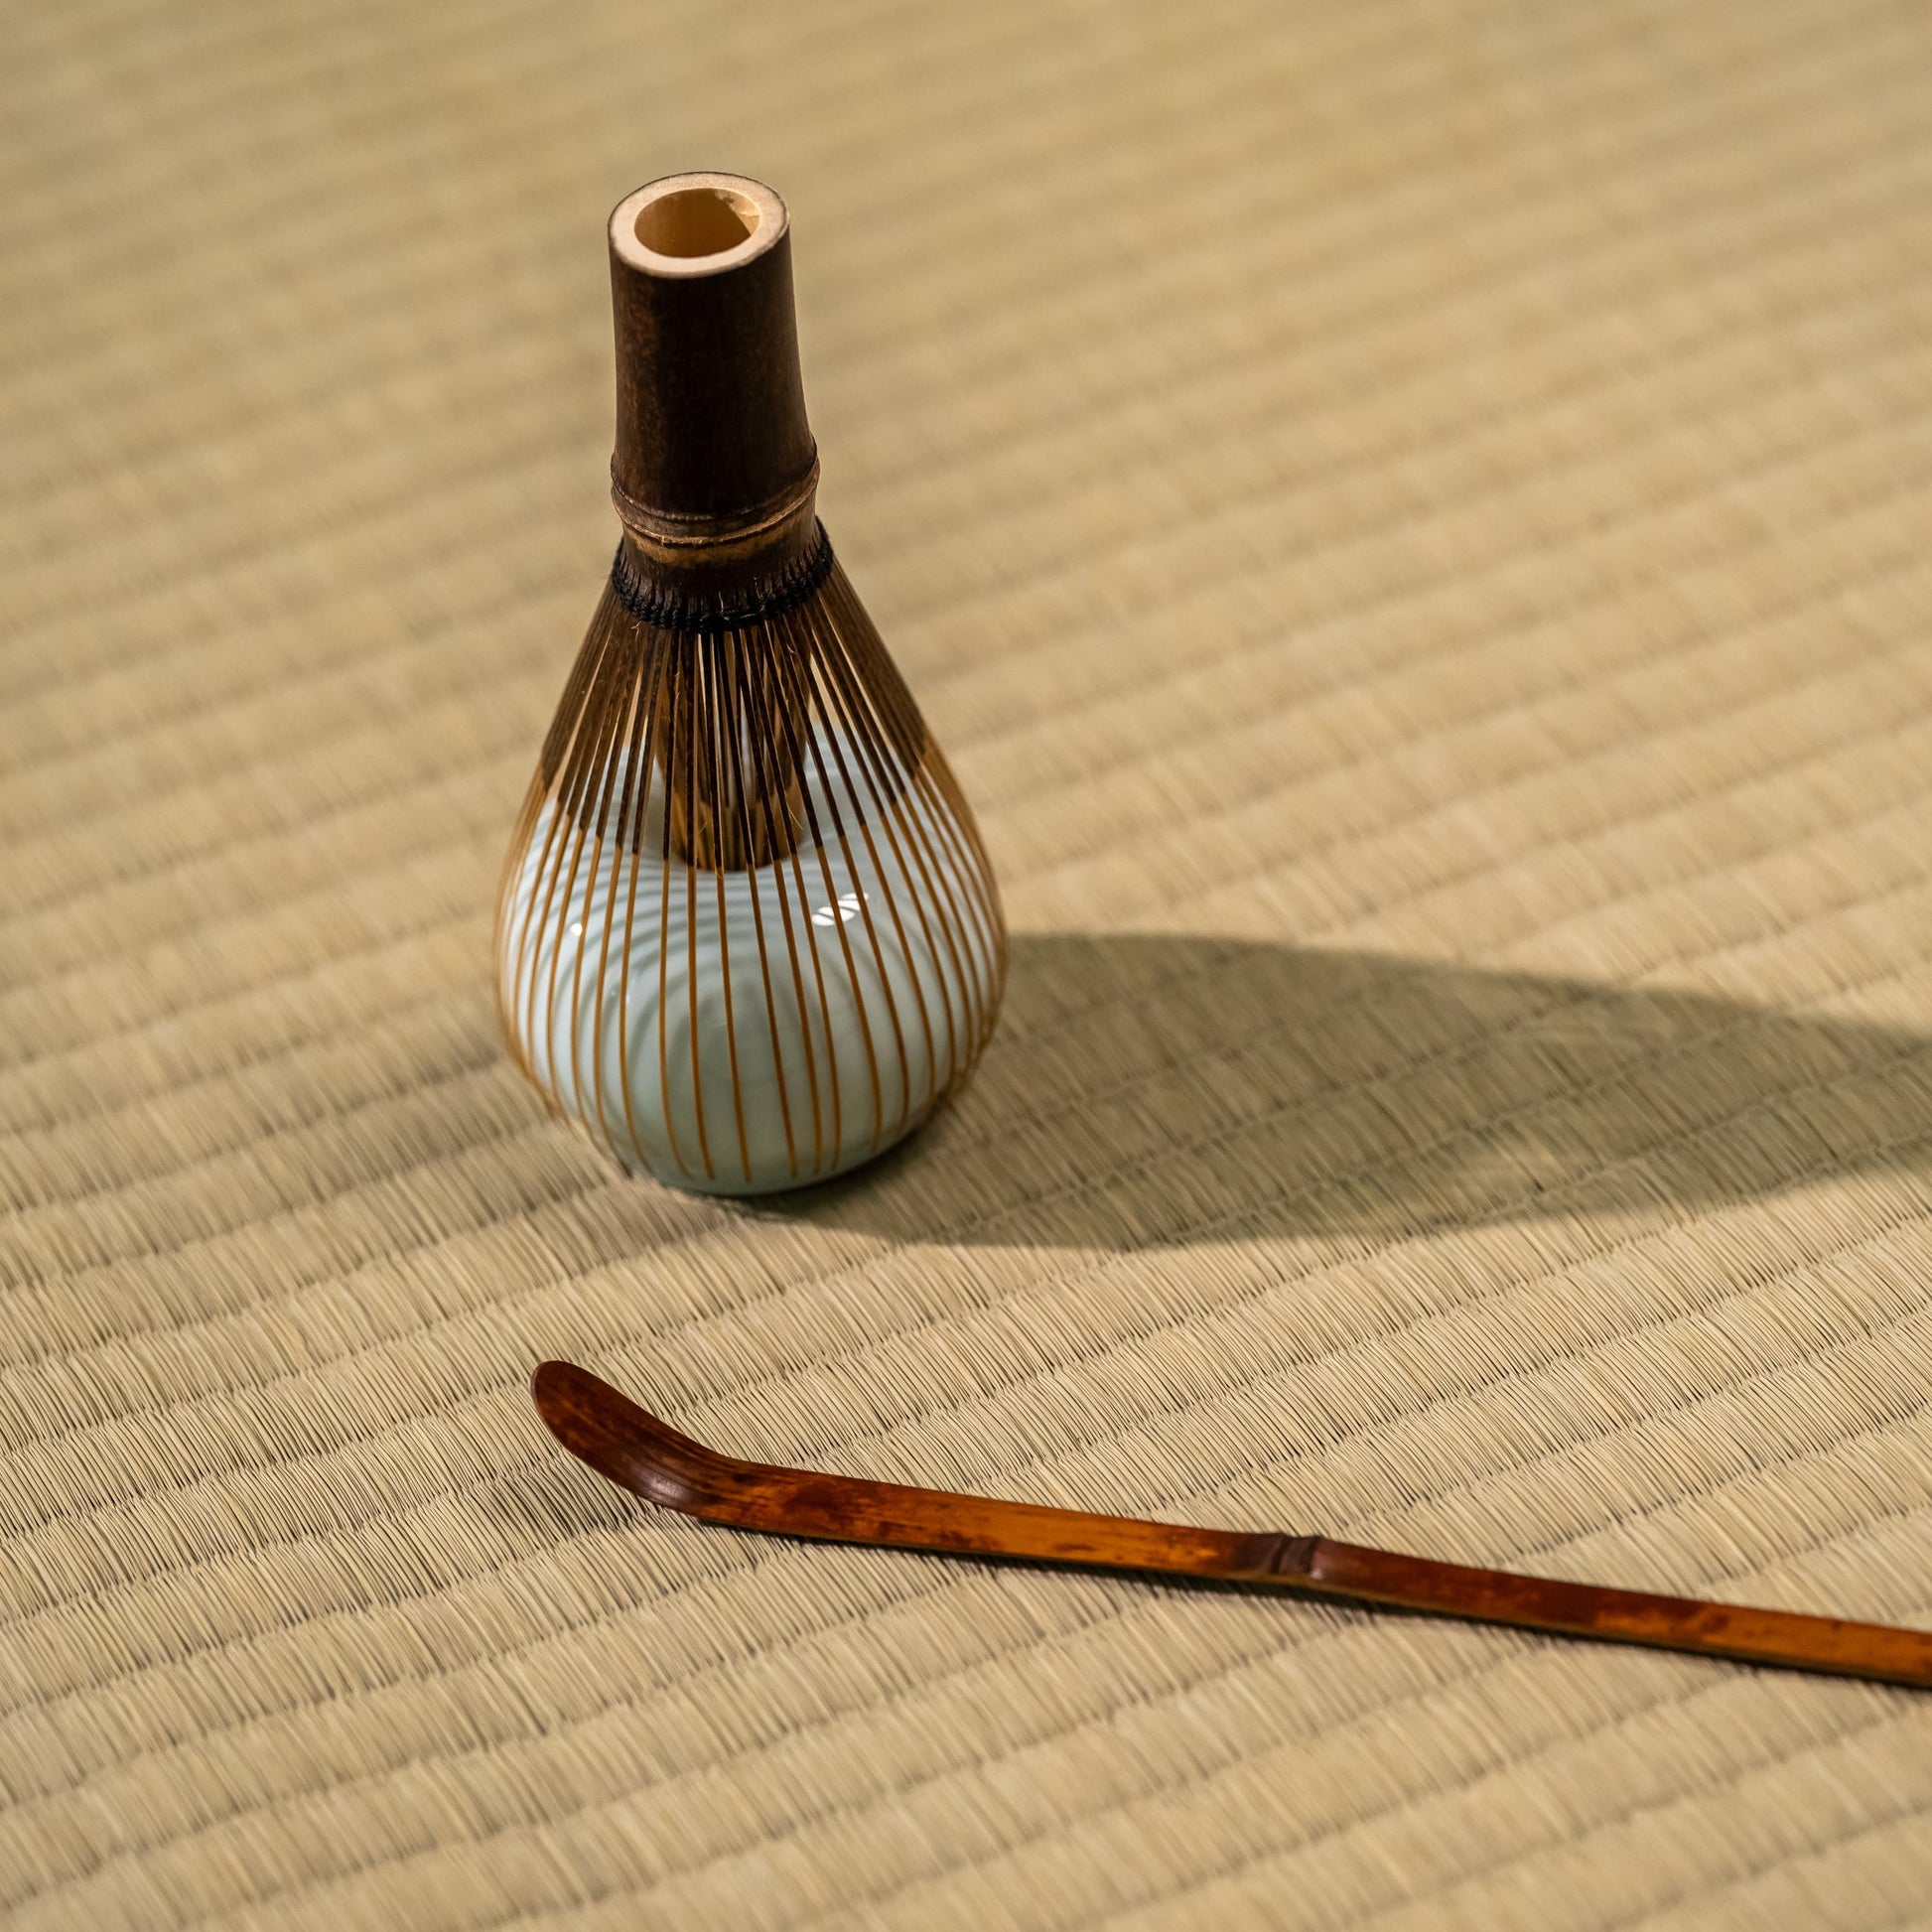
pixel 748 936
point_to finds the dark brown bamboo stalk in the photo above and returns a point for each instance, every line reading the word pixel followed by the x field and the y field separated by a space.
pixel 634 1449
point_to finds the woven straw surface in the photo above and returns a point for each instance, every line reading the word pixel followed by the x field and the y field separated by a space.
pixel 1411 522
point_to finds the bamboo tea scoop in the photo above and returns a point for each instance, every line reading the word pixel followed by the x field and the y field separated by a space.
pixel 632 1448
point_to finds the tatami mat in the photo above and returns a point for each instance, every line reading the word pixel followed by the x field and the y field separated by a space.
pixel 1412 525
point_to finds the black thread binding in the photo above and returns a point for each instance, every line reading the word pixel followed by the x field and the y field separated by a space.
pixel 679 611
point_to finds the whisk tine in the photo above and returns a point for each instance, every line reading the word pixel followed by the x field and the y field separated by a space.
pixel 746 933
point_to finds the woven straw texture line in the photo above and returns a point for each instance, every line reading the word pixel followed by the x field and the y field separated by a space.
pixel 1410 524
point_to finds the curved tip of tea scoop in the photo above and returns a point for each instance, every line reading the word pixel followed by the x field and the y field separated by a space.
pixel 603 1426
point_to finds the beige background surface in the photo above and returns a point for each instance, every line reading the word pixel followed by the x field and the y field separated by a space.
pixel 1411 523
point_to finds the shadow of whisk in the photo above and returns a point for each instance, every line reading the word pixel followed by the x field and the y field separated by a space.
pixel 1153 1090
